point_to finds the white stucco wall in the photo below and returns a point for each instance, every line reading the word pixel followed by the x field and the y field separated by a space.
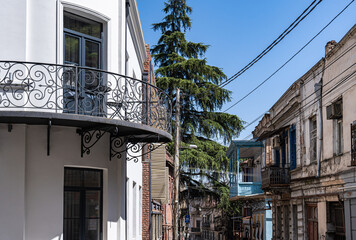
pixel 32 182
pixel 38 180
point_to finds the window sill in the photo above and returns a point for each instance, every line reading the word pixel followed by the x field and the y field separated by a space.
pixel 338 154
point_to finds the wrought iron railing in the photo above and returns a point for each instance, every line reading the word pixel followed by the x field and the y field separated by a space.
pixel 274 177
pixel 81 90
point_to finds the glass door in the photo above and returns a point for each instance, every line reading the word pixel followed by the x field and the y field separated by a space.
pixel 83 191
pixel 84 89
pixel 92 80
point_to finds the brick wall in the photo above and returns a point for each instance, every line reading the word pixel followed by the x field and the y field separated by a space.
pixel 146 171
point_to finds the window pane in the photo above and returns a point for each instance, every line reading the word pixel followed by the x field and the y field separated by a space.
pixel 71 204
pixel 92 178
pixel 73 177
pixel 82 25
pixel 92 199
pixel 71 49
pixel 92 229
pixel 71 229
pixel 92 54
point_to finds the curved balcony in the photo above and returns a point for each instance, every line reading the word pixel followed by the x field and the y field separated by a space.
pixel 81 96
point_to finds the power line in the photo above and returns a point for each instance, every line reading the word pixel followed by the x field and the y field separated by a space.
pixel 296 22
pixel 326 67
pixel 274 73
pixel 313 101
pixel 258 118
pixel 329 65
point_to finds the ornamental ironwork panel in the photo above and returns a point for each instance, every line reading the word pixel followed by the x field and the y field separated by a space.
pixel 274 177
pixel 81 90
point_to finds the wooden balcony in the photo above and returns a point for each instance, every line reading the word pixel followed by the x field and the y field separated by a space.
pixel 274 178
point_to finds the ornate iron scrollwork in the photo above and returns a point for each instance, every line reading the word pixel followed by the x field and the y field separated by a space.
pixel 116 145
pixel 89 137
pixel 82 90
pixel 134 148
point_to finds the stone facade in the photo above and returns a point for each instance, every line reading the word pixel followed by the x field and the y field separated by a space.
pixel 309 146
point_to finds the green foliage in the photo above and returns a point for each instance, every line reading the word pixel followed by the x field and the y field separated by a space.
pixel 181 64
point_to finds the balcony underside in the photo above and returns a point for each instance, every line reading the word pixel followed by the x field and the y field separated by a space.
pixel 276 187
pixel 124 128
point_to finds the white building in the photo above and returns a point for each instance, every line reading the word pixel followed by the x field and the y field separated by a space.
pixel 71 111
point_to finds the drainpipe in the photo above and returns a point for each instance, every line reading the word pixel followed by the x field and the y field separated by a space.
pixel 318 91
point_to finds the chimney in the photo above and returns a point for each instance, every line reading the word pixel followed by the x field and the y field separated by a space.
pixel 329 46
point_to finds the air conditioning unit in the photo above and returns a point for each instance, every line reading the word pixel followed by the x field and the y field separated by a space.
pixel 276 142
pixel 334 111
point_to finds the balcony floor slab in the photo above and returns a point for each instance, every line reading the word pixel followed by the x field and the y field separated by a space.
pixel 125 128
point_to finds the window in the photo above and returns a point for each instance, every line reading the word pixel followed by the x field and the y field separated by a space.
pixel 335 219
pixel 83 191
pixel 248 174
pixel 277 157
pixel 268 150
pixel 284 149
pixel 338 138
pixel 293 147
pixel 353 143
pixel 82 47
pixel 313 138
pixel 312 221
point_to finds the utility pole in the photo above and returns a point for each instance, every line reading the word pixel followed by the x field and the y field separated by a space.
pixel 176 168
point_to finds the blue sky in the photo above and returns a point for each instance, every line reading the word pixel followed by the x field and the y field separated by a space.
pixel 237 31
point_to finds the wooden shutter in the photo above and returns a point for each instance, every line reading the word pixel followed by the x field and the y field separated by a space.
pixel 159 176
pixel 293 147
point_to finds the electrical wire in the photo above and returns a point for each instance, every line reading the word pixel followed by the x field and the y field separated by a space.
pixel 301 110
pixel 326 67
pixel 296 22
pixel 283 65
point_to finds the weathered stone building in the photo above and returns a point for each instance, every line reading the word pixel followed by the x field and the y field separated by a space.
pixel 310 145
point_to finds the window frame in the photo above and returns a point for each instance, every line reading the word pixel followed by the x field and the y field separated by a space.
pixel 82 40
pixel 353 143
pixel 313 137
pixel 83 190
pixel 338 137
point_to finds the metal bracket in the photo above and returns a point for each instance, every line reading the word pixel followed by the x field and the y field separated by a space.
pixel 132 146
pixel 90 136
